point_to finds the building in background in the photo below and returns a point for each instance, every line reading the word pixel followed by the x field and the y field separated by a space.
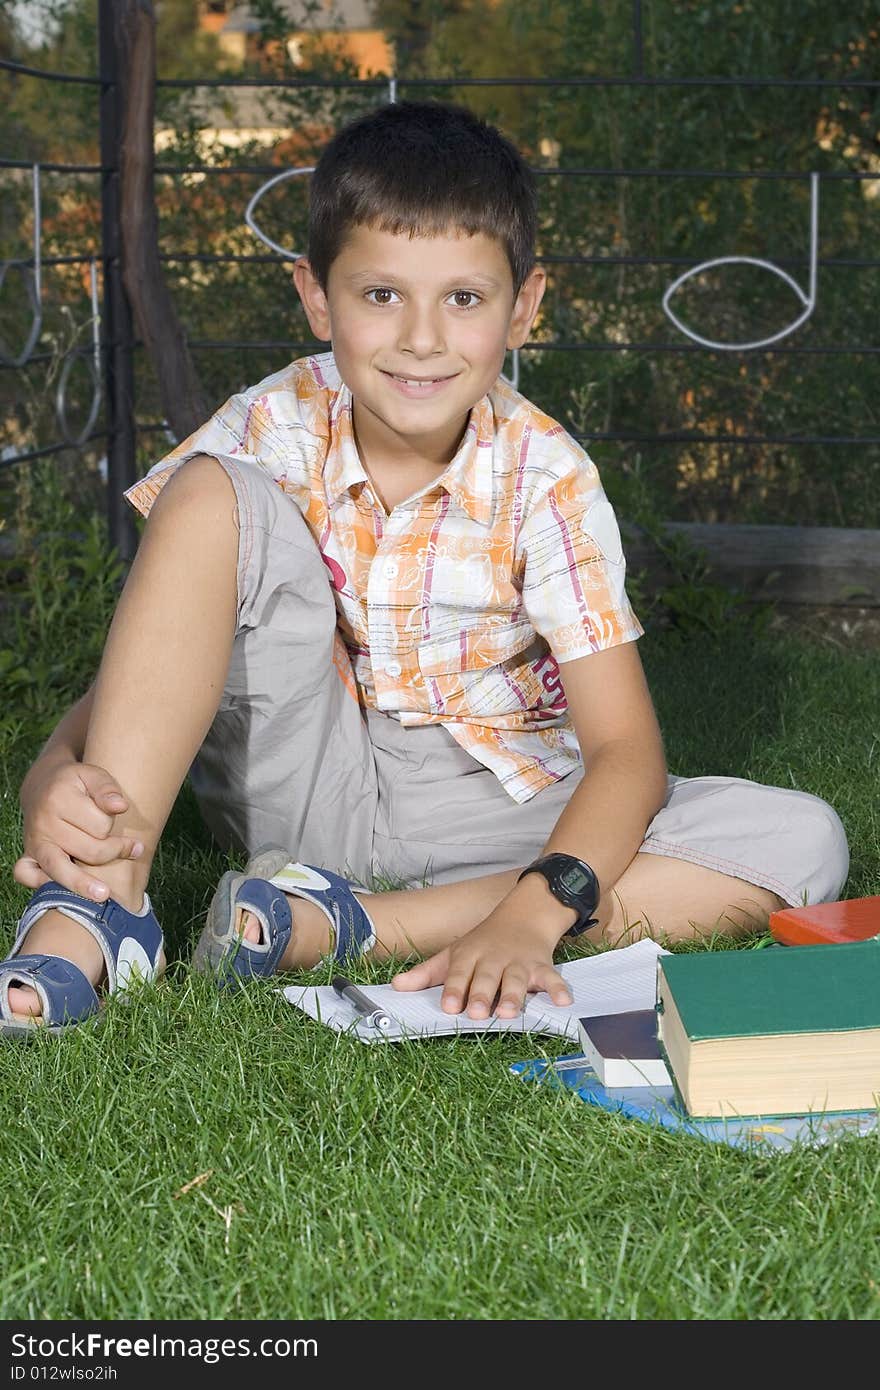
pixel 344 28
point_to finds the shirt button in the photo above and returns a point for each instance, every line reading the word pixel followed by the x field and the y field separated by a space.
pixel 393 668
pixel 390 570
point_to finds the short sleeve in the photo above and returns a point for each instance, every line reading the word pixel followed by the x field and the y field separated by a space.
pixel 573 567
pixel 263 427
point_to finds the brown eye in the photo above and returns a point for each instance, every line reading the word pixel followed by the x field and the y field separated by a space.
pixel 381 296
pixel 465 299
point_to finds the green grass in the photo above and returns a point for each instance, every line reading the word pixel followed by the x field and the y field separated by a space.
pixel 424 1181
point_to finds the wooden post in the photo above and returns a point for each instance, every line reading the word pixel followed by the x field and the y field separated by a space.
pixel 116 322
pixel 182 397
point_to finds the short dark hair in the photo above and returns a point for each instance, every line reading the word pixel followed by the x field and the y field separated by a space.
pixel 422 167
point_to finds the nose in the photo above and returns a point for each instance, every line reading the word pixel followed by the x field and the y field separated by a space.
pixel 421 330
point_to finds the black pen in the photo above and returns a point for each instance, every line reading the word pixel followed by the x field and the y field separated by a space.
pixel 376 1017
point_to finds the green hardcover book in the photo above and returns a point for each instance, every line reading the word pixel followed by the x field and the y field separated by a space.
pixel 782 1031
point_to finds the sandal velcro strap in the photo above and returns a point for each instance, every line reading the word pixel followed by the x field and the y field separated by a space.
pixel 130 943
pixel 65 994
pixel 256 959
pixel 353 929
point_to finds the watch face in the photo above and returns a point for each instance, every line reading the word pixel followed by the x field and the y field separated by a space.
pixel 576 880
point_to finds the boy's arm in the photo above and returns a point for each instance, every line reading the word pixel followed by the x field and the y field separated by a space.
pixel 69 809
pixel 624 782
pixel 624 785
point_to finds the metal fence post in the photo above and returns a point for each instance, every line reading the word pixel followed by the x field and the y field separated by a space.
pixel 116 319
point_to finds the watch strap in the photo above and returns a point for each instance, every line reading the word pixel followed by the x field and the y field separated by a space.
pixel 551 867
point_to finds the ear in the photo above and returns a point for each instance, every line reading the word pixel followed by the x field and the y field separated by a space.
pixel 313 298
pixel 526 306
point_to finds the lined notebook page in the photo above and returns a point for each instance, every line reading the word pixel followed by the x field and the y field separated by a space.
pixel 606 984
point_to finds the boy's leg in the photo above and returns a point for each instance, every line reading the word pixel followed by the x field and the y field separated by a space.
pixel 781 847
pixel 160 678
pixel 287 760
pixel 680 901
pixel 718 858
pixel 286 756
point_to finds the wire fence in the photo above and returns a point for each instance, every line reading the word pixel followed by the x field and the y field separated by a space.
pixel 111 415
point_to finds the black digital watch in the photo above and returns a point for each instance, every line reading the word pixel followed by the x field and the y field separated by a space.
pixel 572 882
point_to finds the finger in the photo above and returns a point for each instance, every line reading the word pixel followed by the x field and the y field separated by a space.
pixel 482 991
pixel 549 980
pixel 425 974
pixel 27 872
pixel 80 810
pixel 512 992
pixel 77 844
pixel 103 789
pixel 110 799
pixel 121 847
pixel 60 869
pixel 459 979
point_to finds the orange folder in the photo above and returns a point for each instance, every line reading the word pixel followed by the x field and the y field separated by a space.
pixel 853 919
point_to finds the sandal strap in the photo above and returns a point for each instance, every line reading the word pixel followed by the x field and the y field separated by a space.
pixel 65 993
pixel 130 942
pixel 254 960
pixel 262 888
pixel 337 899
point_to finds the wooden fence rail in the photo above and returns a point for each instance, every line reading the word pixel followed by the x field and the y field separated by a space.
pixel 810 565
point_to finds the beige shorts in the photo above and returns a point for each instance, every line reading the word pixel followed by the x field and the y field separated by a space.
pixel 292 759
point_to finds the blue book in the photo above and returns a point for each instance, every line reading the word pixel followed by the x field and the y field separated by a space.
pixel 658 1105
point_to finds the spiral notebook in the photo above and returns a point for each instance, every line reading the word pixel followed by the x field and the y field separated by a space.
pixel 612 982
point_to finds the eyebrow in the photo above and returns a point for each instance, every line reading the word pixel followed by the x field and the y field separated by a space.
pixel 386 277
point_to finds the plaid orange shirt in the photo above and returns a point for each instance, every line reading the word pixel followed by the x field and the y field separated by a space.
pixel 457 607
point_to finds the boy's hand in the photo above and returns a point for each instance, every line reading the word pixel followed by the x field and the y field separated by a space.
pixel 500 960
pixel 69 810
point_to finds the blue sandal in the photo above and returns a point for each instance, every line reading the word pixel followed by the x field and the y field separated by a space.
pixel 261 888
pixel 131 944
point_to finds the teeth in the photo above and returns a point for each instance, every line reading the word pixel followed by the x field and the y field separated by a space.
pixel 415 381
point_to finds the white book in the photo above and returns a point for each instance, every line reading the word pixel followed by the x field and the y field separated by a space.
pixel 623 1048
pixel 612 982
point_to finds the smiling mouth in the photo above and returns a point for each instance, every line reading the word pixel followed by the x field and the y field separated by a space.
pixel 418 380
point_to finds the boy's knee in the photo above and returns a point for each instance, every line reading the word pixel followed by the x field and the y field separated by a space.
pixel 192 529
pixel 198 492
pixel 823 844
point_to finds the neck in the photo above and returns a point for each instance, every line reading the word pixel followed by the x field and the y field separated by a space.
pixel 398 465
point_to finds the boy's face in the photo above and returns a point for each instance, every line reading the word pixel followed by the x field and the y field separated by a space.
pixel 419 328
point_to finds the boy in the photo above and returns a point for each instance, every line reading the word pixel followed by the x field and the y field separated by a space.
pixel 381 604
